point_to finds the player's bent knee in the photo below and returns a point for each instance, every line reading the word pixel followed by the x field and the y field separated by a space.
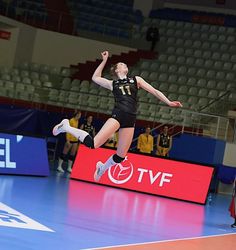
pixel 117 158
pixel 96 145
pixel 97 142
pixel 88 141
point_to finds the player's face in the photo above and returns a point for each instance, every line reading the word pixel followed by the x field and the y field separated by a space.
pixel 165 129
pixel 122 68
pixel 148 130
pixel 90 119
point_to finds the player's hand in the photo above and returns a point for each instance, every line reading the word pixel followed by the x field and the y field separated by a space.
pixel 175 104
pixel 105 55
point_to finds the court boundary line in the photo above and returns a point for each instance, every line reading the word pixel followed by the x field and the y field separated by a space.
pixel 160 241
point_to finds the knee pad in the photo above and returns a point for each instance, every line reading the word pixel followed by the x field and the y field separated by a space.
pixel 71 157
pixel 88 141
pixel 117 158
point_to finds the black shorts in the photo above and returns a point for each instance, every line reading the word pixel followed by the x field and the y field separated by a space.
pixel 126 120
pixel 73 142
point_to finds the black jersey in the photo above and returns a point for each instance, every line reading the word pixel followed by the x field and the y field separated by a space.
pixel 88 128
pixel 164 141
pixel 125 93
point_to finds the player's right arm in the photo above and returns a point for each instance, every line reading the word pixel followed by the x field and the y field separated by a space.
pixel 97 75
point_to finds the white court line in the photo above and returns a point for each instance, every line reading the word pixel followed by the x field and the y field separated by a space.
pixel 160 241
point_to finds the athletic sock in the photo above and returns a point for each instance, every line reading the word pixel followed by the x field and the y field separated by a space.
pixel 69 168
pixel 78 133
pixel 60 161
pixel 109 163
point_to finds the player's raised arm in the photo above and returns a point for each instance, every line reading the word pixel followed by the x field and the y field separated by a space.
pixel 97 75
pixel 146 86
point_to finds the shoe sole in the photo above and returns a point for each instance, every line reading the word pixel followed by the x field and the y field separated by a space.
pixel 55 131
pixel 95 174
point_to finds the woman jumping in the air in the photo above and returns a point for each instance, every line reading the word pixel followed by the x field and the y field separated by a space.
pixel 123 115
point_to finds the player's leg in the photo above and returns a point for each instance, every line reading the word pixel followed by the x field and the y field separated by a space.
pixel 64 127
pixel 63 156
pixel 72 156
pixel 106 131
pixel 234 225
pixel 124 142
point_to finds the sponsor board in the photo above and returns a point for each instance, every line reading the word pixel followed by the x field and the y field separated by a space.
pixel 23 155
pixel 165 177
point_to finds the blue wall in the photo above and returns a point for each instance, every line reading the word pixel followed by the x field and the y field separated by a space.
pixel 198 149
pixel 27 121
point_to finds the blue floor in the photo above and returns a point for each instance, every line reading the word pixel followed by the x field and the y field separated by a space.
pixel 82 215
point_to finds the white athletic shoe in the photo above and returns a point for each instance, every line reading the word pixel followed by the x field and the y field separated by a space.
pixel 69 169
pixel 60 169
pixel 60 128
pixel 99 171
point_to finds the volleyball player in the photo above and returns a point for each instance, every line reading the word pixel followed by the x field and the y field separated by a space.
pixel 232 207
pixel 71 145
pixel 88 126
pixel 164 143
pixel 123 116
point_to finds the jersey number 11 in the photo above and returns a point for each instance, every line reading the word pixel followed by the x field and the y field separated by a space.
pixel 125 90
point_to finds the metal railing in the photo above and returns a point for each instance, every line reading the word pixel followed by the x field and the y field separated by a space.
pixel 192 122
pixel 220 104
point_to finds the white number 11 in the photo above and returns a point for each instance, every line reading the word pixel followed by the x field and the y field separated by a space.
pixel 123 88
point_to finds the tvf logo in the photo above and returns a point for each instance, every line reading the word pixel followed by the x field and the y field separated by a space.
pixel 123 172
pixel 5 154
pixel 163 177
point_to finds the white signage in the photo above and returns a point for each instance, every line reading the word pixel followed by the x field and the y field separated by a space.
pixel 12 218
pixel 6 154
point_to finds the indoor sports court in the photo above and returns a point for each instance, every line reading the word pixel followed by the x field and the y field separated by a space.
pixel 62 210
pixel 58 213
pixel 117 124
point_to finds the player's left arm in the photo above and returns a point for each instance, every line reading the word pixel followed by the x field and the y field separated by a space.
pixel 146 86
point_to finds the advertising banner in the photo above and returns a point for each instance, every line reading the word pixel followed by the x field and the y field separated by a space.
pixel 165 177
pixel 23 155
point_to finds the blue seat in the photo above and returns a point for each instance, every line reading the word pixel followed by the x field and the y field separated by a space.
pixel 124 34
pixel 97 28
pixel 111 31
pixel 82 25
